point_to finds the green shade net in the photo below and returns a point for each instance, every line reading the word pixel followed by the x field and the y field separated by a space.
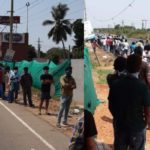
pixel 90 97
pixel 36 70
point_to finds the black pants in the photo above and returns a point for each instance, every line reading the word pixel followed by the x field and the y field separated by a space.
pixel 27 94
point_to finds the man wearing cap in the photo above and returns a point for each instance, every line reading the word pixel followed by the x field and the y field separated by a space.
pixel 26 83
pixel 67 85
pixel 46 81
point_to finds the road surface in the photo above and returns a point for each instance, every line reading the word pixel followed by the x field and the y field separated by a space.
pixel 21 130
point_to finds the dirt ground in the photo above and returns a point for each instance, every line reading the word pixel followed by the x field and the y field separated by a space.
pixel 102 115
pixel 53 109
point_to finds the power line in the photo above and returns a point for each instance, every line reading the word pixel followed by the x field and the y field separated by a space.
pixel 46 13
pixel 118 14
pixel 31 6
pixel 72 2
pixel 42 11
pixel 20 8
pixel 77 11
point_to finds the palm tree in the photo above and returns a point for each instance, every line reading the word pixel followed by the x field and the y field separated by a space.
pixel 61 26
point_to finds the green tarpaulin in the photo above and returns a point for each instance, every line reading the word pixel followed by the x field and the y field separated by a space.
pixel 90 97
pixel 36 69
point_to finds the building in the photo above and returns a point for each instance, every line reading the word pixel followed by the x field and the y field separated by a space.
pixel 88 29
pixel 20 46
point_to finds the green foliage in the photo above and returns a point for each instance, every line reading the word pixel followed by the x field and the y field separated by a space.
pixel 102 74
pixel 129 31
pixel 78 29
pixel 117 26
pixel 42 54
pixel 77 53
pixel 60 27
pixel 31 52
pixel 55 54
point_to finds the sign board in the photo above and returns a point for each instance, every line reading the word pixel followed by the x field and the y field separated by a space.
pixel 6 20
pixel 17 38
pixel 9 55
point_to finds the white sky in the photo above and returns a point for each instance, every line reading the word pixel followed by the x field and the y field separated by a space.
pixel 101 12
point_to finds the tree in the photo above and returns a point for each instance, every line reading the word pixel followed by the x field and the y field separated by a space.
pixel 78 29
pixel 117 26
pixel 61 27
pixel 31 52
pixel 54 54
pixel 42 54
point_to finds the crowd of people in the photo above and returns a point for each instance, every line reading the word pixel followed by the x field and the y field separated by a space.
pixel 129 103
pixel 11 80
pixel 129 90
pixel 121 46
pixel 129 100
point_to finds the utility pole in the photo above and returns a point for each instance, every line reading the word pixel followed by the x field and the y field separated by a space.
pixel 122 26
pixel 142 24
pixel 39 47
pixel 11 25
pixel 85 13
pixel 122 23
pixel 27 4
pixel 145 23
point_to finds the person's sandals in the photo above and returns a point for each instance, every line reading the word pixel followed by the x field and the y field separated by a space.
pixel 47 113
pixel 58 125
pixel 39 113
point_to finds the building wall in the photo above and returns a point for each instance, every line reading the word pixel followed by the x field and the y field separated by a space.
pixel 21 49
pixel 78 74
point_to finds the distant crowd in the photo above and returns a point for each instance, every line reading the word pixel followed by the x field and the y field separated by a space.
pixel 129 94
pixel 121 46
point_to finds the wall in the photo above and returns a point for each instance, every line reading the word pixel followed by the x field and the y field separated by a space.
pixel 21 49
pixel 78 74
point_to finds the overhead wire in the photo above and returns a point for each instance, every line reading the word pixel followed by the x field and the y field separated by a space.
pixel 46 13
pixel 34 20
pixel 20 8
pixel 118 14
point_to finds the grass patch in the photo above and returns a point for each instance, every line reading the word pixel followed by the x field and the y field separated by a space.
pixel 94 65
pixel 102 74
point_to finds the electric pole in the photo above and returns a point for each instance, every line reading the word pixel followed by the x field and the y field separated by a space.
pixel 142 24
pixel 11 25
pixel 39 47
pixel 85 13
pixel 122 23
pixel 27 4
pixel 145 24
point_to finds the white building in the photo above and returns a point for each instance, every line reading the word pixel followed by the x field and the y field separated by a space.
pixel 88 30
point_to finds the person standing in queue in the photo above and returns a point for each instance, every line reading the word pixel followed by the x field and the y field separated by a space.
pixel 46 81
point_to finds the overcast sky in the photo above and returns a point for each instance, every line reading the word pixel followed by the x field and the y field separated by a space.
pixel 39 10
pixel 104 13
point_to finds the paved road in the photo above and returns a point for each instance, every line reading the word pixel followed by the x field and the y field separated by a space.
pixel 21 130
